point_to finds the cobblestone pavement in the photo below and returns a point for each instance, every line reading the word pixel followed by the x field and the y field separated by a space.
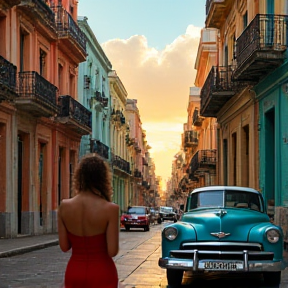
pixel 137 264
pixel 139 253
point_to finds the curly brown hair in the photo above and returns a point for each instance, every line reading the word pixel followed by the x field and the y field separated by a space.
pixel 93 174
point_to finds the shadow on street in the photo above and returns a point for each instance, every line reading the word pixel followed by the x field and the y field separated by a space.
pixel 224 281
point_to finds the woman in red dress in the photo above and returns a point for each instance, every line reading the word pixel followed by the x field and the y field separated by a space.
pixel 89 224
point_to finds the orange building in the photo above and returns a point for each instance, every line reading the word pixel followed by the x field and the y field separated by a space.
pixel 41 121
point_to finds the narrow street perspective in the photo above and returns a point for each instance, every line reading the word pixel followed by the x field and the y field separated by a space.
pixel 137 264
pixel 166 119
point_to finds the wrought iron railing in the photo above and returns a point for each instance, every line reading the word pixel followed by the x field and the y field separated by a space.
pixel 69 107
pixel 191 137
pixel 8 73
pixel 120 163
pixel 98 147
pixel 103 100
pixel 137 173
pixel 34 86
pixel 146 184
pixel 66 26
pixel 265 32
pixel 219 80
pixel 203 159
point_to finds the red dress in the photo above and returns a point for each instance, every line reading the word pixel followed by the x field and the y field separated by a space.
pixel 90 266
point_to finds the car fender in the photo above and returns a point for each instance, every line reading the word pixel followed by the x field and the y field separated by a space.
pixel 186 232
pixel 257 234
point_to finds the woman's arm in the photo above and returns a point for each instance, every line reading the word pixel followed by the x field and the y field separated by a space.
pixel 62 232
pixel 112 233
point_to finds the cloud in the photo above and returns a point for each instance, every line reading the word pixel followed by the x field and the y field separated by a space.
pixel 160 81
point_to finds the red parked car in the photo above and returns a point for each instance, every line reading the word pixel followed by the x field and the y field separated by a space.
pixel 136 217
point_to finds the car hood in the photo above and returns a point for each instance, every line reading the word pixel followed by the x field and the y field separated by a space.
pixel 225 224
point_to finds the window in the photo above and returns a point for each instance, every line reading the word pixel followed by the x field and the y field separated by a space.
pixel 60 77
pixel 42 62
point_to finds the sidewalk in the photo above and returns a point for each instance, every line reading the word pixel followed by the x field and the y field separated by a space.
pixel 24 244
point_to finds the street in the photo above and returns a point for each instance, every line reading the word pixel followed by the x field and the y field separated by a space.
pixel 137 265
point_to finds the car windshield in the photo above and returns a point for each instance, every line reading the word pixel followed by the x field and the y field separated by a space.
pixel 227 199
pixel 136 210
pixel 167 209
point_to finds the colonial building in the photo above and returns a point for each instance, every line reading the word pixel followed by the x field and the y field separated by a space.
pixel 195 164
pixel 94 94
pixel 121 157
pixel 41 120
pixel 138 147
pixel 245 89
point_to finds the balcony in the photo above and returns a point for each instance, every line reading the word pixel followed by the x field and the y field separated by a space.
pixel 74 115
pixel 144 161
pixel 120 164
pixel 118 118
pixel 7 4
pixel 42 16
pixel 191 138
pixel 98 147
pixel 203 161
pixel 217 90
pixel 8 74
pixel 101 99
pixel 146 185
pixel 216 12
pixel 37 96
pixel 137 173
pixel 71 38
pixel 260 48
pixel 197 119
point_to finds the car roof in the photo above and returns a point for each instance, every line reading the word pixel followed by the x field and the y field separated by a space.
pixel 217 188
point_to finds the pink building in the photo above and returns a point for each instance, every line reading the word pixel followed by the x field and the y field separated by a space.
pixel 41 121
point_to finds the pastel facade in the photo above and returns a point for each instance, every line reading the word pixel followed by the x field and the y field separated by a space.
pixel 121 158
pixel 93 87
pixel 245 90
pixel 41 120
pixel 195 165
pixel 138 148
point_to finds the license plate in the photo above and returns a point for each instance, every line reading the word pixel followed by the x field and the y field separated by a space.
pixel 223 266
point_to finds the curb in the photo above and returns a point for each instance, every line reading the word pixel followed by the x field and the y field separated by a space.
pixel 22 250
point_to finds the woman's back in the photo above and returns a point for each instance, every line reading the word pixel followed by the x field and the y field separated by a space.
pixel 86 214
pixel 89 224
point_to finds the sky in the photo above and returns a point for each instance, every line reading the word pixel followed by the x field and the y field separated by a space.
pixel 152 45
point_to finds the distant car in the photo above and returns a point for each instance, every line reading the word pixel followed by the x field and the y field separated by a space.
pixel 136 217
pixel 155 216
pixel 226 229
pixel 167 213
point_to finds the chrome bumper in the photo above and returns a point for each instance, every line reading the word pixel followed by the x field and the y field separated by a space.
pixel 244 265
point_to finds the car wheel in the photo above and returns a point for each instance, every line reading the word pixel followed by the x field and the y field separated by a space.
pixel 147 228
pixel 159 220
pixel 127 228
pixel 174 277
pixel 175 220
pixel 272 278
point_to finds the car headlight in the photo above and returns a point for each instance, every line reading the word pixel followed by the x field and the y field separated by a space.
pixel 272 235
pixel 170 233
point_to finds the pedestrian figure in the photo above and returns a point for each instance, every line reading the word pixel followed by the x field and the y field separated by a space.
pixel 89 224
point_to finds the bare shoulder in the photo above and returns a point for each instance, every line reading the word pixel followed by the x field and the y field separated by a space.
pixel 112 206
pixel 66 203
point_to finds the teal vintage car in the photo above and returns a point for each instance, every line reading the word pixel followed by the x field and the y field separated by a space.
pixel 223 228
